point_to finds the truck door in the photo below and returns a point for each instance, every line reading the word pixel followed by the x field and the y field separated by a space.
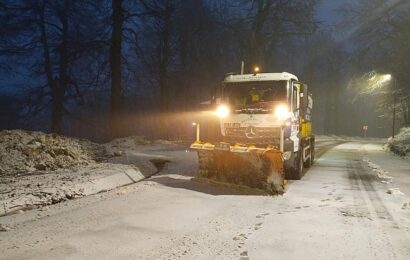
pixel 295 107
pixel 295 103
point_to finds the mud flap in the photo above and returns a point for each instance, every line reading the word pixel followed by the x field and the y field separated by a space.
pixel 256 168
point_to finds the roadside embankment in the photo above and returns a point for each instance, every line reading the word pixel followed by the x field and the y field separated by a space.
pixel 38 169
pixel 400 144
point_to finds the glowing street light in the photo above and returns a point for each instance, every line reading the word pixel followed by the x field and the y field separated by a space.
pixel 377 81
pixel 374 82
pixel 384 79
pixel 394 102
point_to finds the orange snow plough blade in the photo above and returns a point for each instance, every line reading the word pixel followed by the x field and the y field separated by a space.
pixel 248 166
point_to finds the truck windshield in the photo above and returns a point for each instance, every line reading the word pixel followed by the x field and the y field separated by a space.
pixel 254 95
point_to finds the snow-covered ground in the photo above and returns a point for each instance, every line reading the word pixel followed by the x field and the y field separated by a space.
pixel 343 208
pixel 38 169
pixel 349 138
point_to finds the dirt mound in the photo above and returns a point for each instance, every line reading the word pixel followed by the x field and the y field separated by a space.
pixel 25 151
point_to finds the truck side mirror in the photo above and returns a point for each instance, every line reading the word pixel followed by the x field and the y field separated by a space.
pixel 213 94
pixel 306 103
pixel 303 101
pixel 304 97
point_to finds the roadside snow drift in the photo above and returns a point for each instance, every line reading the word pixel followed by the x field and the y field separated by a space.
pixel 401 143
pixel 24 151
pixel 38 169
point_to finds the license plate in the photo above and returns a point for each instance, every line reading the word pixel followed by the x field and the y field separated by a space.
pixel 222 146
pixel 232 125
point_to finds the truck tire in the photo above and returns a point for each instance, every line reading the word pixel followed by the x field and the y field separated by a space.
pixel 296 172
pixel 308 162
pixel 312 152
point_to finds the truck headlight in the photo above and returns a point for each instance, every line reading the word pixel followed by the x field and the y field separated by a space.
pixel 222 111
pixel 282 112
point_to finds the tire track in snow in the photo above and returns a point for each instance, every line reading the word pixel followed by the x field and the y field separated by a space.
pixel 369 206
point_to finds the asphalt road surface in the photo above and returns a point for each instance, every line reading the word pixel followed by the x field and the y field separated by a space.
pixel 339 210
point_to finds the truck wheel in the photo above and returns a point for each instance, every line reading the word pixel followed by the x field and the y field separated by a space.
pixel 308 162
pixel 297 170
pixel 312 152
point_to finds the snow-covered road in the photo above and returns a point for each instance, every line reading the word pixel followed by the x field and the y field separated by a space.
pixel 339 210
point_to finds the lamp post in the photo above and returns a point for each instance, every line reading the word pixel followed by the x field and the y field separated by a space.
pixel 389 77
pixel 394 106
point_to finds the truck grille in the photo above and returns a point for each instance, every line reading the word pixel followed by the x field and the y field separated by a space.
pixel 256 135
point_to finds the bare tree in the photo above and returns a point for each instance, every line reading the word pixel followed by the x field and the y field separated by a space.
pixel 259 25
pixel 159 21
pixel 380 32
pixel 53 42
pixel 115 65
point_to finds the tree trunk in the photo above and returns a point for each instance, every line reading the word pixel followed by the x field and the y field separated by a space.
pixel 164 58
pixel 257 36
pixel 336 83
pixel 57 86
pixel 406 113
pixel 57 109
pixel 328 112
pixel 115 63
pixel 60 85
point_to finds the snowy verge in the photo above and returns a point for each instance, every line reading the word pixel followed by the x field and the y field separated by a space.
pixel 38 169
pixel 39 191
pixel 382 174
pixel 347 138
pixel 400 144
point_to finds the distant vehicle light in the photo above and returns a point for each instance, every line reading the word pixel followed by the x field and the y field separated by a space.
pixel 386 77
pixel 222 111
pixel 282 112
pixel 256 69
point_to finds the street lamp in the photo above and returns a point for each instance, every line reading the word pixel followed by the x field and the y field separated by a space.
pixel 374 83
pixel 394 104
pixel 385 78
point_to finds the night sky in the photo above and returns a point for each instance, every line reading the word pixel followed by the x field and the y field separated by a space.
pixel 326 13
pixel 319 50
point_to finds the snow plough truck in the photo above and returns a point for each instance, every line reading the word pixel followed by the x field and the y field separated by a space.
pixel 266 127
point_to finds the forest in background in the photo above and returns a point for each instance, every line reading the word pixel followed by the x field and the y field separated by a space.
pixel 101 69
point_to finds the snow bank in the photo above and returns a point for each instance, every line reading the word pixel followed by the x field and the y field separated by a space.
pixel 401 143
pixel 25 151
pixel 38 169
pixel 383 175
pixel 347 138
